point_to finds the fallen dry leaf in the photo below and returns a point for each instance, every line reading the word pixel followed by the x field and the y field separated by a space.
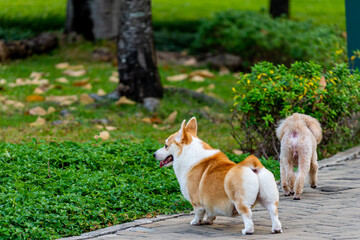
pixel 190 62
pixel 224 71
pixel 40 90
pixel 322 82
pixel 237 152
pixel 197 78
pixel 51 110
pixel 86 99
pixel 56 86
pixel 75 67
pixel 66 103
pixel 37 111
pixel 146 120
pixel 62 100
pixel 39 122
pixel 110 128
pixel 99 126
pixel 124 100
pixel 87 86
pixel 161 128
pixel 207 109
pixel 36 75
pixel 105 135
pixel 62 80
pixel 62 65
pixel 237 74
pixel 177 78
pixel 213 95
pixel 171 118
pixel 15 104
pixel 75 73
pixel 200 90
pixel 18 105
pixel 21 82
pixel 155 119
pixel 81 82
pixel 211 86
pixel 202 73
pixel 2 81
pixel 114 79
pixel 35 98
pixel 101 92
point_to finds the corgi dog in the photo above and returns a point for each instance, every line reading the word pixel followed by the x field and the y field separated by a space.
pixel 216 186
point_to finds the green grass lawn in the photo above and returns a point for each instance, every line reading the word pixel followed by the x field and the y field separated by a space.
pixel 40 15
pixel 127 118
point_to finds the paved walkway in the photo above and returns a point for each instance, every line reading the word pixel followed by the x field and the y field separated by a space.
pixel 331 211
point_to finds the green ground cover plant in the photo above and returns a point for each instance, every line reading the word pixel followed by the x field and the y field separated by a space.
pixel 257 37
pixel 273 92
pixel 33 17
pixel 58 189
pixel 50 190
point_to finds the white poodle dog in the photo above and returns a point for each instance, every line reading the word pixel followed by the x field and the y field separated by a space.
pixel 299 135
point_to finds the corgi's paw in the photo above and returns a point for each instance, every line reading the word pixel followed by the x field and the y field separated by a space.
pixel 276 230
pixel 247 232
pixel 208 220
pixel 196 222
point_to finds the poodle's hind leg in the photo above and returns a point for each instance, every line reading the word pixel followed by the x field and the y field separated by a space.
pixel 313 174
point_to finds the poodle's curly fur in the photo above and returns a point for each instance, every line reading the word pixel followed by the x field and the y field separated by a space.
pixel 299 135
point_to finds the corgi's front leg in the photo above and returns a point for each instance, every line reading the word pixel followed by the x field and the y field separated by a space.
pixel 199 214
pixel 208 220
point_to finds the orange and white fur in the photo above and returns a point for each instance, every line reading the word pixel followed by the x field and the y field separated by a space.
pixel 299 135
pixel 216 186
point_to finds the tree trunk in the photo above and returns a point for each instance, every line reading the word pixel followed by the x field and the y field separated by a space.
pixel 94 19
pixel 279 8
pixel 139 77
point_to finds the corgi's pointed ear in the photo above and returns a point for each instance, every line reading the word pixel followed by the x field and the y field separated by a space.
pixel 183 136
pixel 181 132
pixel 191 126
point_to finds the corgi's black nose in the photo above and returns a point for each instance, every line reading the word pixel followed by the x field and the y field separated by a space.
pixel 154 155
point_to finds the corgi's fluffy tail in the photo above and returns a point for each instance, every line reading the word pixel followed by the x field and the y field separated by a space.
pixel 253 163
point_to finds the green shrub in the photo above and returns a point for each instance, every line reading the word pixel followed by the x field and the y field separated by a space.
pixel 270 93
pixel 10 34
pixel 166 40
pixel 257 37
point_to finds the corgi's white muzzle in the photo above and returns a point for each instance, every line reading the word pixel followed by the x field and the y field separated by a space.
pixel 165 159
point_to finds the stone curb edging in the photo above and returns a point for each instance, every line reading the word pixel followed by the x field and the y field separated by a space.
pixel 349 154
pixel 124 226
